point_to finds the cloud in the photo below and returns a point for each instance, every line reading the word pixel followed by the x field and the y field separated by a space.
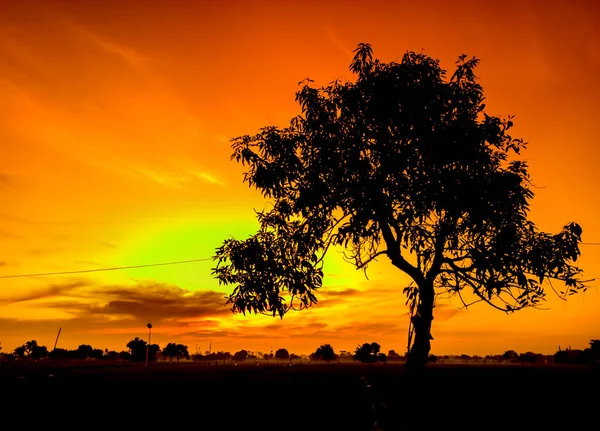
pixel 143 302
pixel 338 293
pixel 51 291
pixel 209 178
pixel 6 180
pixel 334 39
pixel 160 303
pixel 444 312
pixel 88 313
pixel 9 235
pixel 30 222
pixel 132 57
pixel 45 251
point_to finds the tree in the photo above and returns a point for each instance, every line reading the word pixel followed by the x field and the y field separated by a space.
pixel 282 354
pixel 242 355
pixel 368 352
pixel 30 347
pixel 20 351
pixel 85 351
pixel 137 350
pixel 175 350
pixel 39 352
pixel 402 163
pixel 323 353
pixel 97 354
pixel 182 352
pixel 170 350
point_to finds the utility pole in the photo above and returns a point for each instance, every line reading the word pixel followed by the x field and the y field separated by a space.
pixel 149 325
pixel 56 342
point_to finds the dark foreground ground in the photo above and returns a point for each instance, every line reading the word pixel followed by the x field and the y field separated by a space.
pixel 303 397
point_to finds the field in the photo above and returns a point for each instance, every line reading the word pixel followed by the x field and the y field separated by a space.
pixel 301 397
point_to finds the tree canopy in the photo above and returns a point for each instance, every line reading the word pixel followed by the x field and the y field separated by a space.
pixel 324 352
pixel 405 163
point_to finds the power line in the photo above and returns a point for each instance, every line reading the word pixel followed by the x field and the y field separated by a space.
pixel 115 268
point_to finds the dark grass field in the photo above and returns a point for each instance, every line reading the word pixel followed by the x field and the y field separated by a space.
pixel 303 397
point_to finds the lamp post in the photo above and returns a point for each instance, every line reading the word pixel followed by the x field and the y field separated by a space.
pixel 149 325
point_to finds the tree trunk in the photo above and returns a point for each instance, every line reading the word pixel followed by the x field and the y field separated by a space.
pixel 419 351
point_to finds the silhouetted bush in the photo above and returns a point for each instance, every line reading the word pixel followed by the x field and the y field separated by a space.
pixel 325 352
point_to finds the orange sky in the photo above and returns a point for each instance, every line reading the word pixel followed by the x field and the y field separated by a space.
pixel 115 120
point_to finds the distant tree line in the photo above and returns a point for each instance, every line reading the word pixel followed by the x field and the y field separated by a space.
pixel 365 353
pixel 136 352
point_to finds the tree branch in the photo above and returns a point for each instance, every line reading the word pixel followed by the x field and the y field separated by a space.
pixel 438 256
pixel 365 263
pixel 393 252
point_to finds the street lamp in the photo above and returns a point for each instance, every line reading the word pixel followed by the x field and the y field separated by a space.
pixel 149 325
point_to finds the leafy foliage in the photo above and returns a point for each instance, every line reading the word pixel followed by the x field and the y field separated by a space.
pixel 137 350
pixel 282 354
pixel 175 350
pixel 31 349
pixel 368 352
pixel 242 355
pixel 324 352
pixel 404 163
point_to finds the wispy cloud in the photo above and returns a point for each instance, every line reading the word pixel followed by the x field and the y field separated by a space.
pixel 52 291
pixel 209 178
pixel 335 40
pixel 45 251
pixel 155 301
pixel 9 235
pixel 6 180
pixel 132 57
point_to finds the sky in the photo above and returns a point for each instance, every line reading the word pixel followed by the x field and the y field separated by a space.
pixel 115 127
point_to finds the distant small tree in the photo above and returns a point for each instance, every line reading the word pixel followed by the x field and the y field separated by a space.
pixel 85 351
pixel 368 352
pixel 325 352
pixel 137 350
pixel 153 351
pixel 282 354
pixel 182 352
pixel 30 347
pixel 242 355
pixel 528 358
pixel 32 350
pixel 170 351
pixel 20 351
pixel 39 352
pixel 510 355
pixel 561 356
pixel 110 354
pixel 97 354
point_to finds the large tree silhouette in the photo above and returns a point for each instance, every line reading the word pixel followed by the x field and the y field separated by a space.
pixel 403 163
